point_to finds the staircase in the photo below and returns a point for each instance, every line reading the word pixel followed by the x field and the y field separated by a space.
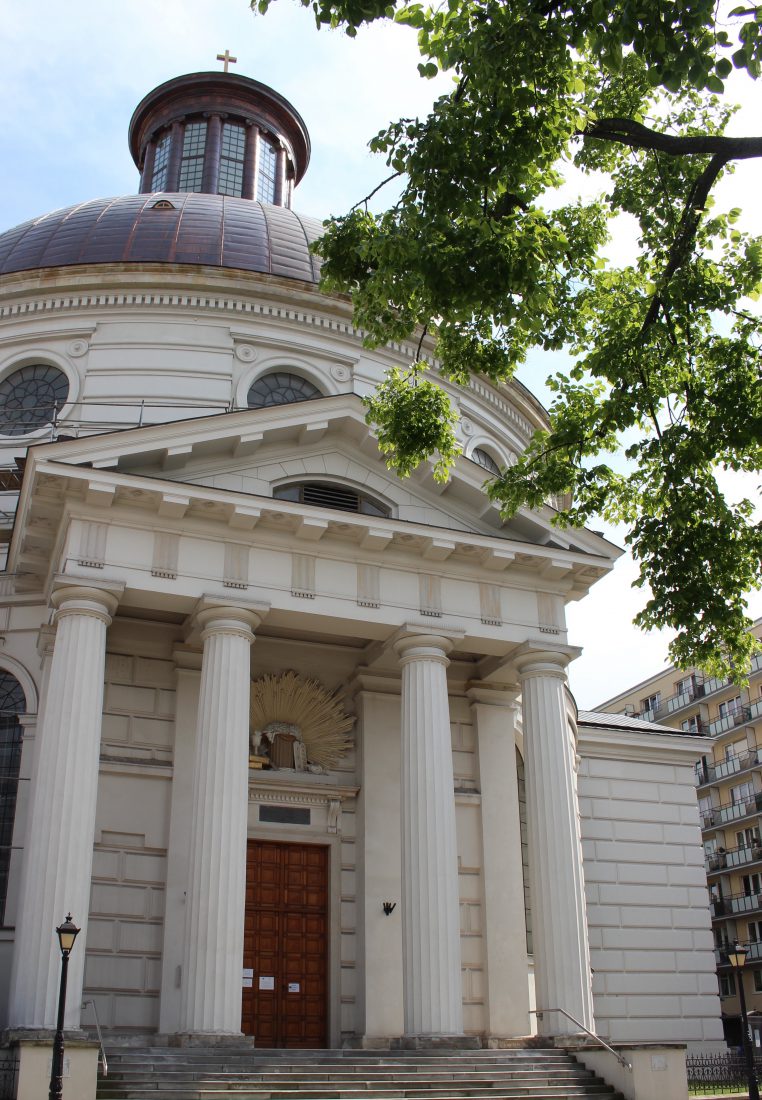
pixel 237 1073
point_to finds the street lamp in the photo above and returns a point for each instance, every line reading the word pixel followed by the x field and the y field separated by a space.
pixel 737 959
pixel 67 934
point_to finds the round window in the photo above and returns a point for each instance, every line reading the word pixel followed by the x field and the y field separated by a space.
pixel 30 398
pixel 280 388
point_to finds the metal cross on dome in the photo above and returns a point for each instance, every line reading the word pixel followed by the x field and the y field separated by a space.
pixel 227 58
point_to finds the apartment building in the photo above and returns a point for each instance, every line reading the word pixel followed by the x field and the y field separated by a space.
pixel 729 791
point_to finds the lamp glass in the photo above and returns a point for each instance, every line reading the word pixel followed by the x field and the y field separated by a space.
pixel 737 957
pixel 67 934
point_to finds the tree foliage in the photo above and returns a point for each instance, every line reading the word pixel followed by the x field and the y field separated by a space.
pixel 478 251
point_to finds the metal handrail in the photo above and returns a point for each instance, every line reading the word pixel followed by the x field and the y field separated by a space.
pixel 539 1012
pixel 104 1063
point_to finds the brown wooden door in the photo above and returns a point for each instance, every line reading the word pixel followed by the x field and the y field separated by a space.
pixel 285 944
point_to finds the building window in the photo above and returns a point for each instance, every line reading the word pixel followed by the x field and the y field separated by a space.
pixel 268 161
pixel 485 460
pixel 651 702
pixel 751 885
pixel 690 725
pixel 730 707
pixel 31 397
pixel 727 985
pixel 192 162
pixel 280 388
pixel 161 163
pixel 12 704
pixel 744 792
pixel 749 838
pixel 684 686
pixel 757 981
pixel 231 159
pixel 324 495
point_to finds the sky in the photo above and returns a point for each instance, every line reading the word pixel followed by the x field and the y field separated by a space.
pixel 71 75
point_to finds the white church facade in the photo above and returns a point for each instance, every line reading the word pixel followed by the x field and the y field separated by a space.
pixel 292 737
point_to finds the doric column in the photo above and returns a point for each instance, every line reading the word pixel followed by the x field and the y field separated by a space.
pixel 430 903
pixel 59 845
pixel 494 712
pixel 214 907
pixel 559 918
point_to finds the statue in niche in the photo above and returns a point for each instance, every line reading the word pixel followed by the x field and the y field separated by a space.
pixel 296 724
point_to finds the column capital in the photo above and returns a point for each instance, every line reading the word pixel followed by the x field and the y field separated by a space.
pixel 544 659
pixel 419 636
pixel 423 647
pixel 216 615
pixel 98 600
pixel 502 695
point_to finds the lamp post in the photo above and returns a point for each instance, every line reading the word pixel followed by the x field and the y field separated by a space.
pixel 67 934
pixel 737 959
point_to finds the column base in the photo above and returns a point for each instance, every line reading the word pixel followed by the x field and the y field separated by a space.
pixel 436 1042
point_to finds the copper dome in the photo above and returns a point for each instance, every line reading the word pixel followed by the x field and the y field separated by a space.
pixel 175 228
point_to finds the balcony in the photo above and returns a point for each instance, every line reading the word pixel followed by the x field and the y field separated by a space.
pixel 735 905
pixel 731 811
pixel 713 773
pixel 729 858
pixel 683 699
pixel 737 717
pixel 714 684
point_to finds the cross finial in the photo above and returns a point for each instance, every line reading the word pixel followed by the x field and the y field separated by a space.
pixel 227 59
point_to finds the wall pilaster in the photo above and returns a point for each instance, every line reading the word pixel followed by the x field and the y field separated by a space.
pixel 494 713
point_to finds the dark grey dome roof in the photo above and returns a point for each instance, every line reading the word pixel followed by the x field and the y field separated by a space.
pixel 194 229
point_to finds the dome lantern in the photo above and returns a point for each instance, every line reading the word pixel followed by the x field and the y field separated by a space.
pixel 220 134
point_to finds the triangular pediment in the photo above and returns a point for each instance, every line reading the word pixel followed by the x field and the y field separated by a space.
pixel 253 452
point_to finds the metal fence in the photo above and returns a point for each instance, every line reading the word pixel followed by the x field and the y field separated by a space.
pixel 9 1069
pixel 718 1073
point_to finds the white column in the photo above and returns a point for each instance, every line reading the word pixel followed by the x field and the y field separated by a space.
pixel 59 846
pixel 214 913
pixel 559 917
pixel 494 713
pixel 430 903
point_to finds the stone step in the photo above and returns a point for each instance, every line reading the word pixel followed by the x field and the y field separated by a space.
pixel 592 1091
pixel 245 1073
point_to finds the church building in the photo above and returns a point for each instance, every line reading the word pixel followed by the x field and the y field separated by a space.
pixel 288 736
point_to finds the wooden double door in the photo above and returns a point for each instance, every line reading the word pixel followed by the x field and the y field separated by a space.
pixel 285 953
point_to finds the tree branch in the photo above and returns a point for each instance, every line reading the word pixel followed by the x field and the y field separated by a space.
pixel 686 232
pixel 627 132
pixel 383 183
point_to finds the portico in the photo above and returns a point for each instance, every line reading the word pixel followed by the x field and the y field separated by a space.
pixel 407 679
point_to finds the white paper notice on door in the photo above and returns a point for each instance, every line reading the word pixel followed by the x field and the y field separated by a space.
pixel 293 987
pixel 247 977
pixel 266 981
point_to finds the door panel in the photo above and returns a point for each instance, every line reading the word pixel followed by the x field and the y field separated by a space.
pixel 285 944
